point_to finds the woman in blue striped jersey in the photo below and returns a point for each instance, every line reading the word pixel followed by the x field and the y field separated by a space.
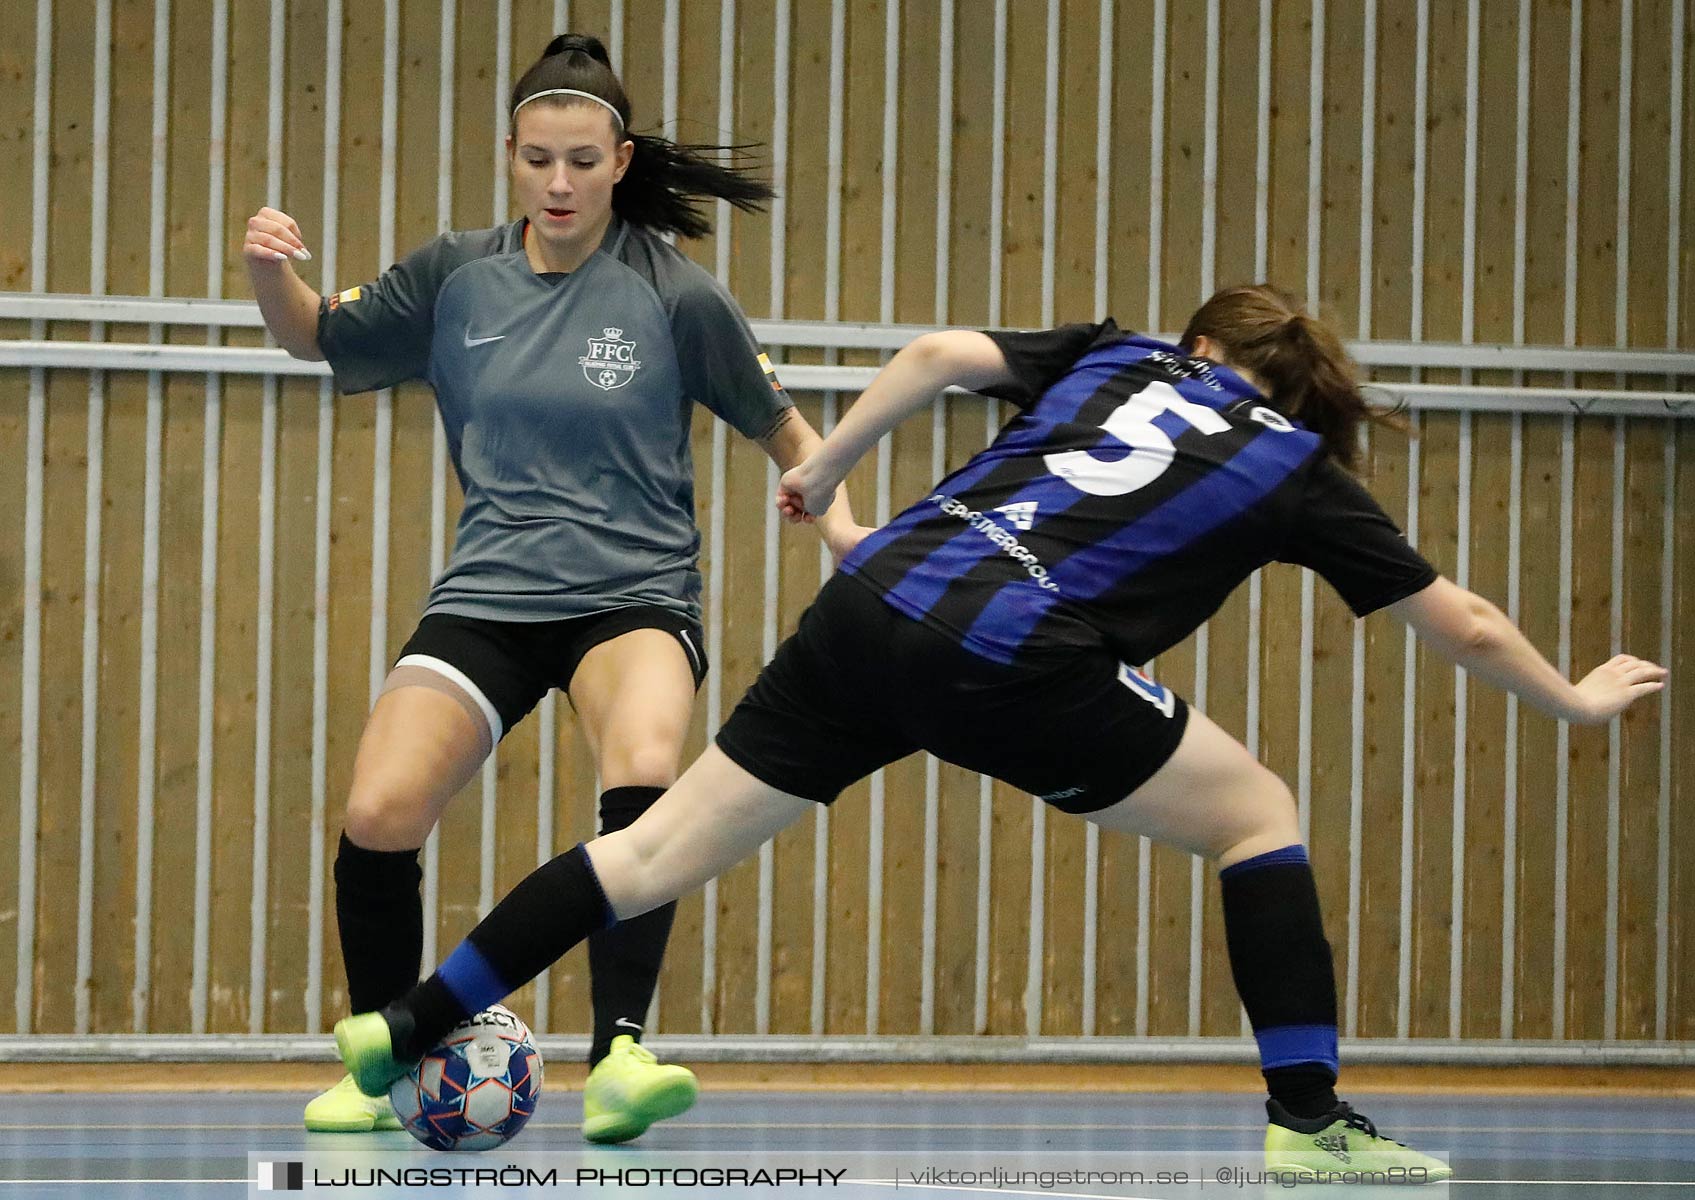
pixel 997 623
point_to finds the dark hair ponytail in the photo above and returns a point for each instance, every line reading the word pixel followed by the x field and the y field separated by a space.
pixel 1301 360
pixel 665 182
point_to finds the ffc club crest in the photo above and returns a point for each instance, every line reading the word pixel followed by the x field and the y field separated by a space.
pixel 611 361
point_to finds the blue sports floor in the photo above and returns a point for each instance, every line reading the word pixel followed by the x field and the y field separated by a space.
pixel 1502 1147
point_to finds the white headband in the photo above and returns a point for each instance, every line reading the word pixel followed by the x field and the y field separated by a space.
pixel 572 92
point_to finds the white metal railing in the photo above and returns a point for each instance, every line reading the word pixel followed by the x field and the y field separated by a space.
pixel 101 311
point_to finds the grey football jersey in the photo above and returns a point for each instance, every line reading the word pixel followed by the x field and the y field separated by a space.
pixel 566 399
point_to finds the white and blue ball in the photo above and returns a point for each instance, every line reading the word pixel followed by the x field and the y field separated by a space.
pixel 476 1089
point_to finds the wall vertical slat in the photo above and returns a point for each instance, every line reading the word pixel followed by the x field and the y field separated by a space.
pixel 1103 165
pixel 1202 637
pixel 1409 664
pixel 994 300
pixel 212 432
pixel 1420 181
pixel 1315 201
pixel 715 547
pixel 1462 569
pixel 447 61
pixel 1362 329
pixel 985 818
pixel 148 683
pixel 383 455
pixel 1621 337
pixel 1662 864
pixel 258 926
pixel 1156 166
pixel 1262 269
pixel 1562 790
pixel 321 539
pixel 997 169
pixel 489 776
pixel 671 35
pixel 1262 144
pixel 938 459
pixel 1102 274
pixel 1035 946
pixel 29 753
pixel 1157 71
pixel 1674 235
pixel 890 169
pixel 1610 980
pixel 99 216
pixel 1515 519
pixel 1456 894
pixel 770 566
pixel 499 204
pixel 1421 93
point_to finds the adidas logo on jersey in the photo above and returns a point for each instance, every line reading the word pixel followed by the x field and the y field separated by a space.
pixel 1020 516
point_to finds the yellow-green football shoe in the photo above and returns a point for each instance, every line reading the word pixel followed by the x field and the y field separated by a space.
pixel 630 1089
pixel 367 1050
pixel 346 1109
pixel 1342 1141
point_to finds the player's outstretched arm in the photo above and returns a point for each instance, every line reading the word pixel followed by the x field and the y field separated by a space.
pixel 287 302
pixel 790 442
pixel 908 382
pixel 1470 631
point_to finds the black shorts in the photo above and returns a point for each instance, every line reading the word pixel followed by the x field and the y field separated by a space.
pixel 860 685
pixel 508 666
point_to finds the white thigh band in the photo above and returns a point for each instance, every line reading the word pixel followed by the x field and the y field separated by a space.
pixel 462 681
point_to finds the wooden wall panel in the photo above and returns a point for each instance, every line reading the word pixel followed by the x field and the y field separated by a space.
pixel 61 637
pixel 1478 923
pixel 61 566
pixel 14 404
pixel 1538 738
pixel 1378 1005
pixel 1129 245
pixel 1639 832
pixel 17 103
pixel 796 286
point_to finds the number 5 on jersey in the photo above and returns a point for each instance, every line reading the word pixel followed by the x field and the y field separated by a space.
pixel 1151 449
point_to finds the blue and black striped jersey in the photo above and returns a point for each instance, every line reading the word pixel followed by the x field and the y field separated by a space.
pixel 1134 491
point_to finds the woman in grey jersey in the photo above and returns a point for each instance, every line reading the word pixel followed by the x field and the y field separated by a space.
pixel 1146 480
pixel 566 351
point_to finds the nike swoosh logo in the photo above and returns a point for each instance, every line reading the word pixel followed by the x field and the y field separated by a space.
pixel 628 1024
pixel 471 341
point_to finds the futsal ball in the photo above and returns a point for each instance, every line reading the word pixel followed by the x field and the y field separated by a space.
pixel 476 1089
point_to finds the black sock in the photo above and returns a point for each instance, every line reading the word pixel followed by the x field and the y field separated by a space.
pixel 1283 973
pixel 624 960
pixel 381 918
pixel 552 909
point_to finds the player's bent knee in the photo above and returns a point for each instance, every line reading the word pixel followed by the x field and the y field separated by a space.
pixel 384 820
pixel 647 764
pixel 1264 817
